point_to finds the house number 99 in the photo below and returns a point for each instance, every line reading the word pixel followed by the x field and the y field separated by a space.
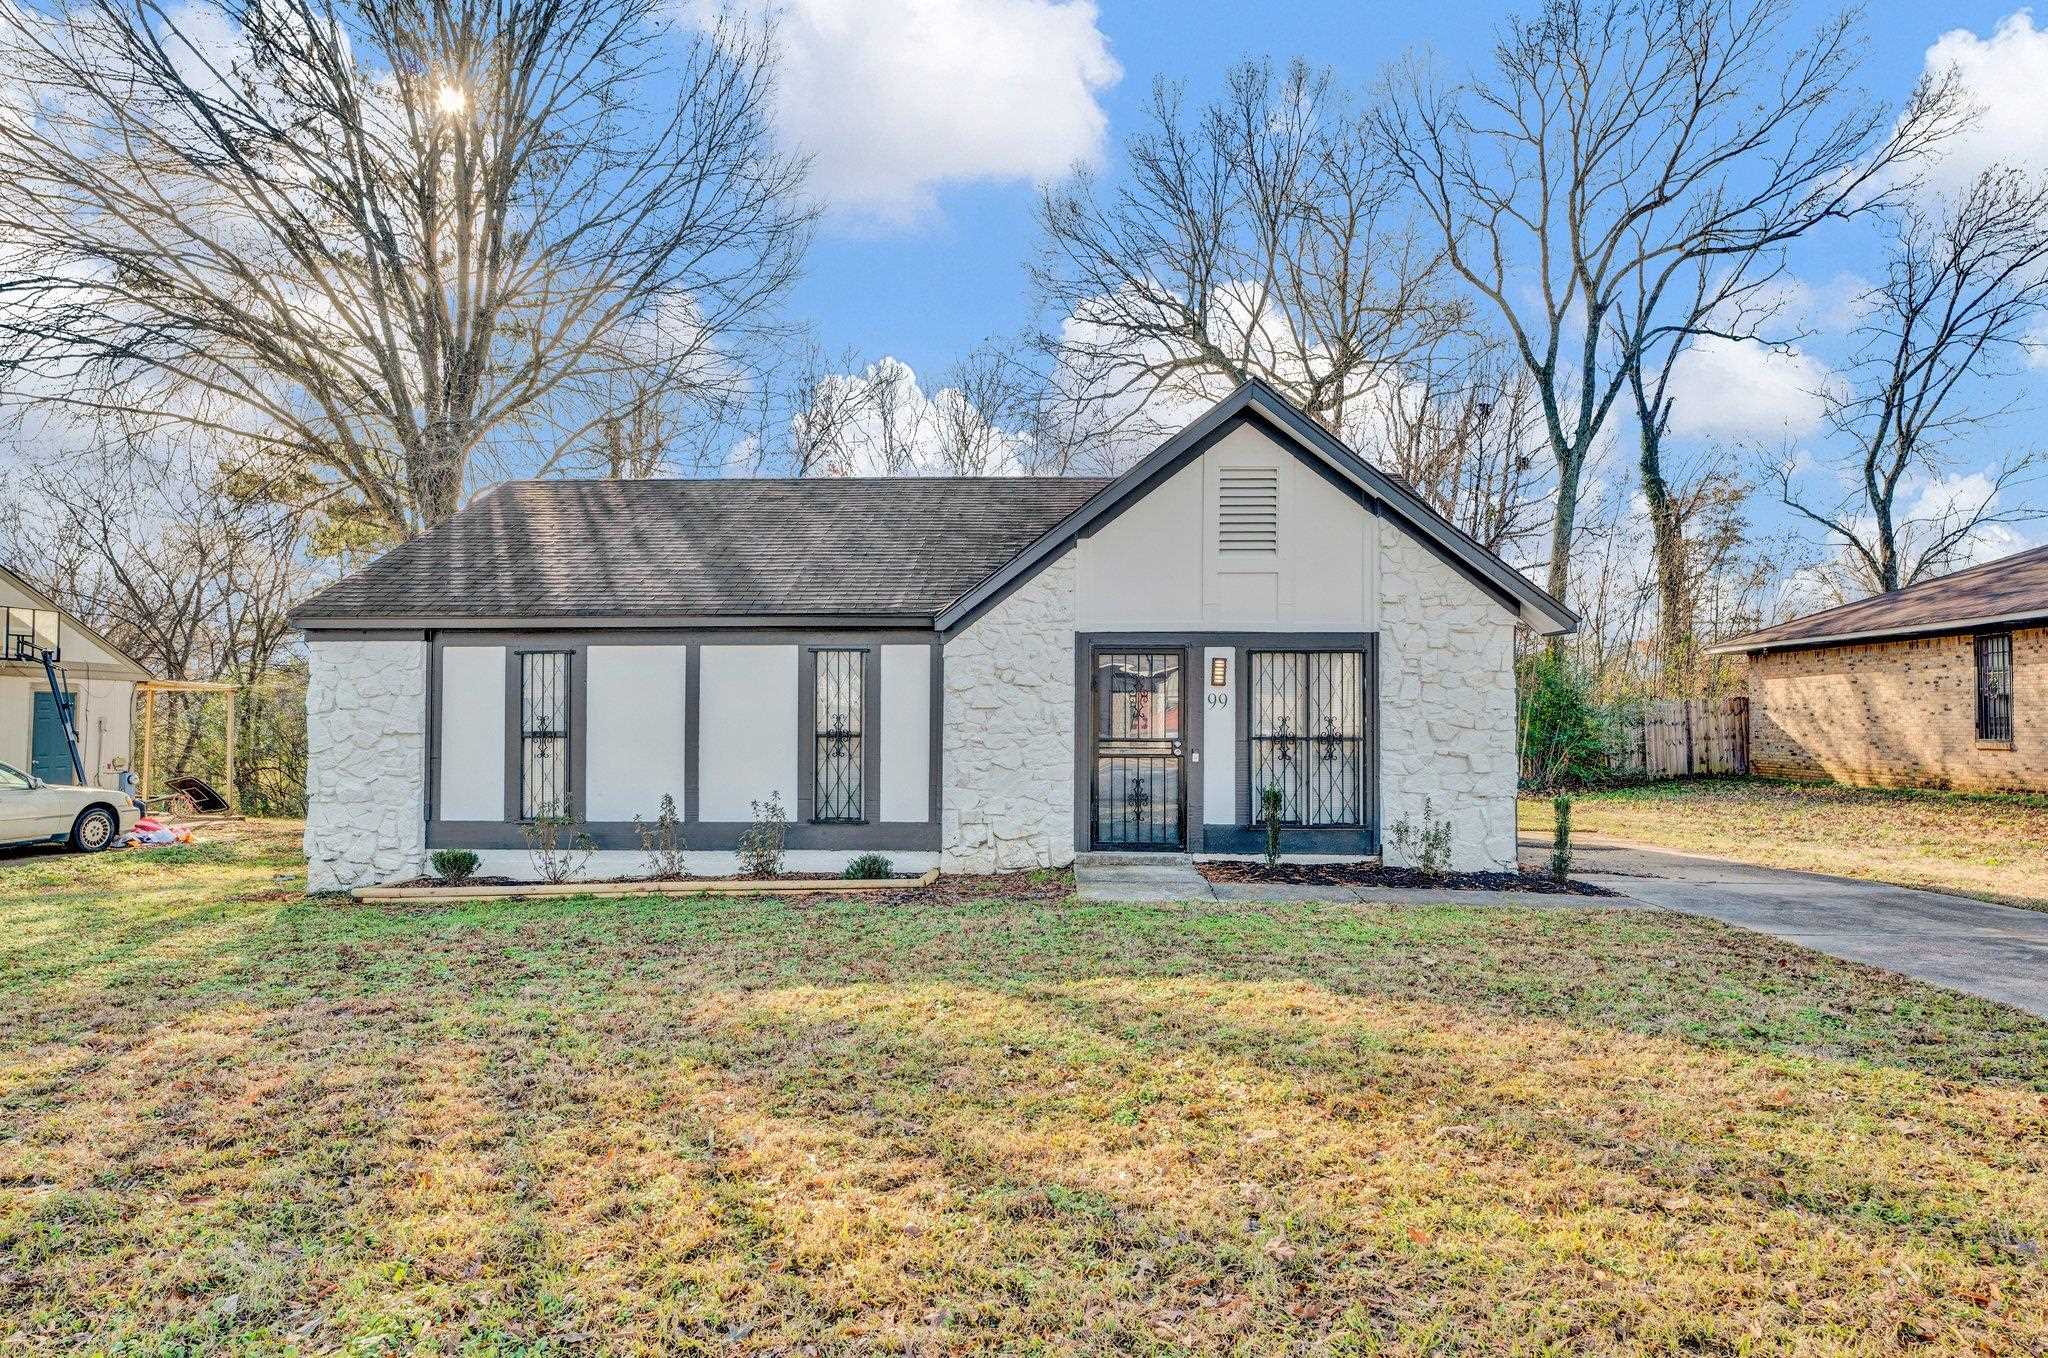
pixel 1220 698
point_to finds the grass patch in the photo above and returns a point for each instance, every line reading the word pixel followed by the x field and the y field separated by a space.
pixel 233 1120
pixel 1993 847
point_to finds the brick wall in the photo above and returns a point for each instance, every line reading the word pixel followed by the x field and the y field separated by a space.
pixel 1900 713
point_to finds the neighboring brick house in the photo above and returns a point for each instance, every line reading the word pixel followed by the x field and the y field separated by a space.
pixel 1944 684
pixel 978 673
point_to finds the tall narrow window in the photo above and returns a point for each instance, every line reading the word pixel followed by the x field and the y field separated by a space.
pixel 543 735
pixel 836 789
pixel 1994 688
pixel 1307 728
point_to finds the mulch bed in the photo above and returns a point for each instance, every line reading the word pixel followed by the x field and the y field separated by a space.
pixel 1375 874
pixel 650 881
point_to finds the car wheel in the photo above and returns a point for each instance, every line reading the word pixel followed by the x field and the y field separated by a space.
pixel 93 830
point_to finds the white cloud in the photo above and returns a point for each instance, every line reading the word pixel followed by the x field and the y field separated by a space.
pixel 1732 389
pixel 894 100
pixel 880 422
pixel 2006 77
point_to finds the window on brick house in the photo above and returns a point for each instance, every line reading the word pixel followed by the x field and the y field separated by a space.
pixel 1994 688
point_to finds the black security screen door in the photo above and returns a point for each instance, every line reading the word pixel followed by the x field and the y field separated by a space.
pixel 1139 787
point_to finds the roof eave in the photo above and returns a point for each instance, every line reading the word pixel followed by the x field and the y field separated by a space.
pixel 913 621
pixel 1747 646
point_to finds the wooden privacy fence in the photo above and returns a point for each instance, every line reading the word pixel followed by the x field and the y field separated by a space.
pixel 1680 737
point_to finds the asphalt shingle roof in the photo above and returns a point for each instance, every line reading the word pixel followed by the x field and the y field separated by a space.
pixel 2011 587
pixel 687 548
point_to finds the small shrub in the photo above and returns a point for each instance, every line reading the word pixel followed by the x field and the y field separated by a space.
pixel 1270 802
pixel 1561 839
pixel 1567 738
pixel 558 847
pixel 1426 847
pixel 761 842
pixel 455 866
pixel 868 866
pixel 662 841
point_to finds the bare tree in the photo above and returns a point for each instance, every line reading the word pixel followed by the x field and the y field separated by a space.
pixel 1966 283
pixel 1731 297
pixel 1259 236
pixel 147 539
pixel 1463 430
pixel 1612 145
pixel 377 237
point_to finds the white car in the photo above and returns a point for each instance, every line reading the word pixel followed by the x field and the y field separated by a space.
pixel 88 818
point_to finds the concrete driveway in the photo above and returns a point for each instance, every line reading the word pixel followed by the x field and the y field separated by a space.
pixel 1996 951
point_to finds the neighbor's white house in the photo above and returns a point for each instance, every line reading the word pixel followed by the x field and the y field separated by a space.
pixel 977 673
pixel 100 677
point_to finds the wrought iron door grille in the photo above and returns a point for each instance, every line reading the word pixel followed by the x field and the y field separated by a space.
pixel 543 735
pixel 1307 733
pixel 1138 792
pixel 837 776
pixel 1994 687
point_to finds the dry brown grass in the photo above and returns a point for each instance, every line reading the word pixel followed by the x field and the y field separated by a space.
pixel 233 1121
pixel 1992 847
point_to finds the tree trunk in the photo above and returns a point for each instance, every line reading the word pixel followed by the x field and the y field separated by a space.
pixel 1674 601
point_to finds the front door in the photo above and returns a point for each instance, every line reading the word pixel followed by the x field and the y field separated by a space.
pixel 49 753
pixel 1140 788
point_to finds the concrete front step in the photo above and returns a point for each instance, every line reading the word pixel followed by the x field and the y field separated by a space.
pixel 1113 859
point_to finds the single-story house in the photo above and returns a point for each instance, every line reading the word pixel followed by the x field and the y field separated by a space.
pixel 100 678
pixel 974 673
pixel 1942 684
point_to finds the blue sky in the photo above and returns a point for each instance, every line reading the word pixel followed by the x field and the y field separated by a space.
pixel 927 289
pixel 932 121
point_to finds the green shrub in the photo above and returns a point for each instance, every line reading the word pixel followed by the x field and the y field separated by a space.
pixel 662 841
pixel 760 844
pixel 1561 838
pixel 455 866
pixel 1567 737
pixel 1271 799
pixel 869 866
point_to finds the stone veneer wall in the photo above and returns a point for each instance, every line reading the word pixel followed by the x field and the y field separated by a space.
pixel 1447 705
pixel 1007 791
pixel 366 777
pixel 1897 714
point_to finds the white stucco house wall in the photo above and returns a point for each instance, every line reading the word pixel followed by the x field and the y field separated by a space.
pixel 975 673
pixel 101 680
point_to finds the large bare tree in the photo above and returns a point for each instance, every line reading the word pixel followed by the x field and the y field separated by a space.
pixel 1614 144
pixel 374 237
pixel 1966 285
pixel 1258 236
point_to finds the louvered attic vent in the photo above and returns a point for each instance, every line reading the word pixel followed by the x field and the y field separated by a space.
pixel 1248 510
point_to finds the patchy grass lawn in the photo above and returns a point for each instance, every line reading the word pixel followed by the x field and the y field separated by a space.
pixel 1992 847
pixel 235 1121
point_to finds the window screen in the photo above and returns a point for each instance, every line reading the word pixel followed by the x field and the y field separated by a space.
pixel 1307 727
pixel 836 788
pixel 1994 687
pixel 543 735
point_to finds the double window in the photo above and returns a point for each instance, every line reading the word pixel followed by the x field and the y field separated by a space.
pixel 836 735
pixel 543 735
pixel 1306 719
pixel 1994 688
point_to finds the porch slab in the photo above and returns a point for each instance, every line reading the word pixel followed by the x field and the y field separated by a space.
pixel 1128 877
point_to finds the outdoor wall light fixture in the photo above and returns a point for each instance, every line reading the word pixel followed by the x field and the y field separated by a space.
pixel 1219 671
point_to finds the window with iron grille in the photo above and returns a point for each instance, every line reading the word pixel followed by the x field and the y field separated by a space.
pixel 836 777
pixel 1994 688
pixel 1307 725
pixel 543 735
